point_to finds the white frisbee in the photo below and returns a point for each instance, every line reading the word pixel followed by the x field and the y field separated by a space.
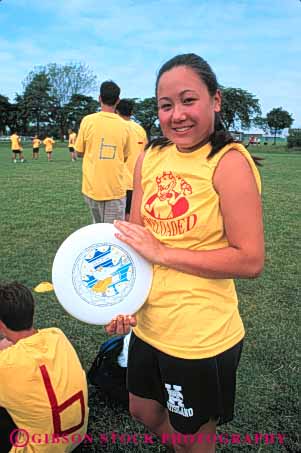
pixel 97 277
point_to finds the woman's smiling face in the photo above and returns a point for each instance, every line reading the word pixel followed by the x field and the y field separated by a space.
pixel 185 107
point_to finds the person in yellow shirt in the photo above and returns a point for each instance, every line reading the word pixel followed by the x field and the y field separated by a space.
pixel 103 143
pixel 72 140
pixel 196 215
pixel 49 142
pixel 43 388
pixel 35 147
pixel 138 142
pixel 16 147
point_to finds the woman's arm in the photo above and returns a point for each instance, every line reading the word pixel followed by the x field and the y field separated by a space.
pixel 241 209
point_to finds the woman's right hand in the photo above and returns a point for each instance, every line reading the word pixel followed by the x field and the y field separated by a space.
pixel 121 325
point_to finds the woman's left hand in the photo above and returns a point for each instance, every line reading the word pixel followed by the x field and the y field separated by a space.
pixel 141 240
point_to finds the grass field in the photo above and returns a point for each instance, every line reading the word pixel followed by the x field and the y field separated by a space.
pixel 41 205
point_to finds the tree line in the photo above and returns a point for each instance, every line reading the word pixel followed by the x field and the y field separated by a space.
pixel 55 99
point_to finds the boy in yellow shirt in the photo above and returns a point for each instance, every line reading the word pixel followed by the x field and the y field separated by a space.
pixel 16 147
pixel 43 388
pixel 49 142
pixel 35 147
pixel 72 140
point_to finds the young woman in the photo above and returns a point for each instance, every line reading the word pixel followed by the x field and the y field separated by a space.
pixel 196 215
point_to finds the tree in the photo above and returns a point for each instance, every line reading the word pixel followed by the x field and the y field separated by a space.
pixel 38 101
pixel 4 113
pixel 294 138
pixel 78 107
pixel 19 116
pixel 277 120
pixel 239 108
pixel 145 112
pixel 66 80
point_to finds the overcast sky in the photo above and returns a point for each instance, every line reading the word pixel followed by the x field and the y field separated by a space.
pixel 250 44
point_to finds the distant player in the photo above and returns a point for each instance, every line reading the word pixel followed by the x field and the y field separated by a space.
pixel 138 140
pixel 72 140
pixel 35 147
pixel 16 147
pixel 49 142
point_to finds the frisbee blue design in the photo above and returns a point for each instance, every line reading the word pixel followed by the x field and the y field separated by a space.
pixel 97 277
pixel 103 274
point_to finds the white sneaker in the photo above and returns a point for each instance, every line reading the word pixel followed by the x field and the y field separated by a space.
pixel 15 161
pixel 22 160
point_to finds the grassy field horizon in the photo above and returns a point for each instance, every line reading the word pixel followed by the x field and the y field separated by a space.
pixel 41 205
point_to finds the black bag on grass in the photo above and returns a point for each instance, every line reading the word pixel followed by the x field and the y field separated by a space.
pixel 106 374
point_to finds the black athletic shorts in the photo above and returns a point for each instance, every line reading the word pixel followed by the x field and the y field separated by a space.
pixel 16 151
pixel 71 149
pixel 194 391
pixel 35 150
pixel 129 194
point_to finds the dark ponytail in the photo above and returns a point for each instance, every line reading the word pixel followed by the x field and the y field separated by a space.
pixel 220 137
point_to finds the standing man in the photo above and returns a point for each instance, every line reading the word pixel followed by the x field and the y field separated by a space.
pixel 72 140
pixel 103 142
pixel 138 142
pixel 16 147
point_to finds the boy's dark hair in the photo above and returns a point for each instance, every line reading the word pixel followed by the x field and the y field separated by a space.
pixel 16 306
pixel 109 92
pixel 220 136
pixel 125 107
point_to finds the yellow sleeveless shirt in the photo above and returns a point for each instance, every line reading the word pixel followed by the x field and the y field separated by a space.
pixel 187 316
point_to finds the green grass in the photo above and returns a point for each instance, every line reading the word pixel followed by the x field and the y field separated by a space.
pixel 41 205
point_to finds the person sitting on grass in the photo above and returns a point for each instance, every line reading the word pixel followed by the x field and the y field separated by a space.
pixel 49 142
pixel 43 388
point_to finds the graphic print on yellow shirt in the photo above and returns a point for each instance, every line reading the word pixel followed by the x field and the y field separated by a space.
pixel 185 315
pixel 170 200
